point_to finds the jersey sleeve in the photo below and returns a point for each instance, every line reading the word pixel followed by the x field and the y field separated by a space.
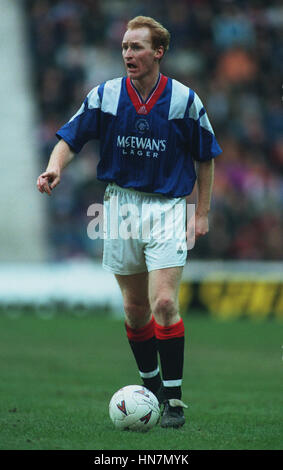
pixel 85 124
pixel 203 143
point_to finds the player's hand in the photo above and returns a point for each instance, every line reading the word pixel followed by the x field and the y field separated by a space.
pixel 197 226
pixel 48 181
pixel 201 225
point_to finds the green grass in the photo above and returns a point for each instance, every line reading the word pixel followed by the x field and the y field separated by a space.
pixel 58 375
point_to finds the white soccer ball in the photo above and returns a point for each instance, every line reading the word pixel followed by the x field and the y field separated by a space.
pixel 134 408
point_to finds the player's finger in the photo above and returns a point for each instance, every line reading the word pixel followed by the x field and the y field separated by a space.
pixel 55 182
pixel 47 174
pixel 46 188
pixel 44 182
pixel 39 185
pixel 201 233
pixel 43 185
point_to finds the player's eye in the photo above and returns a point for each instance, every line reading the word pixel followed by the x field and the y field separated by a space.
pixel 133 46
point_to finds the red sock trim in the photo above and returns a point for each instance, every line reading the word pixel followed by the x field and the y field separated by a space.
pixel 141 334
pixel 177 330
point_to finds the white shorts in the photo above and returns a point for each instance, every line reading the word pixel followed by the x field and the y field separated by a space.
pixel 142 231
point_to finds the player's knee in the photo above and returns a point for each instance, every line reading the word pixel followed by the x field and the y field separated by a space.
pixel 137 315
pixel 164 309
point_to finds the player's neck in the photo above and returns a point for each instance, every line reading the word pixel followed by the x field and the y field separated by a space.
pixel 146 84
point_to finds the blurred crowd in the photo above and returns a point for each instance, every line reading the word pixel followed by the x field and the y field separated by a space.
pixel 230 53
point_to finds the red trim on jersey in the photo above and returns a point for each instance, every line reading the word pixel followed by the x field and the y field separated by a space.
pixel 145 108
pixel 141 334
pixel 177 330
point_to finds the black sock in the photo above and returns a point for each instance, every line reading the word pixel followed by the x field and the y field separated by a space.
pixel 170 344
pixel 143 345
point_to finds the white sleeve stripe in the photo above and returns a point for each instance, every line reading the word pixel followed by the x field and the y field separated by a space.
pixel 194 113
pixel 179 100
pixel 111 96
pixel 80 111
pixel 93 99
pixel 205 123
pixel 93 102
pixel 195 108
pixel 179 103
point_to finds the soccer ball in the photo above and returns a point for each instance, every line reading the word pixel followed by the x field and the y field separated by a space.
pixel 134 408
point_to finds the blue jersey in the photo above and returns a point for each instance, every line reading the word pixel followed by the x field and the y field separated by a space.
pixel 150 146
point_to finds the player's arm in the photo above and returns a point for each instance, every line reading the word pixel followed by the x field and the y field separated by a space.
pixel 60 157
pixel 205 178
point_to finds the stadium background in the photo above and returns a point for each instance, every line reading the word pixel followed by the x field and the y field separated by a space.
pixel 231 54
pixel 59 309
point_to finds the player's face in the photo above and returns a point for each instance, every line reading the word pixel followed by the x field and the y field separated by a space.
pixel 139 57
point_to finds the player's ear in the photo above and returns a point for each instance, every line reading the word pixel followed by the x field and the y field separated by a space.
pixel 159 53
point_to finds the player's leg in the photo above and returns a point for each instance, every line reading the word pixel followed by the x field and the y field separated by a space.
pixel 164 287
pixel 134 289
pixel 140 327
pixel 169 331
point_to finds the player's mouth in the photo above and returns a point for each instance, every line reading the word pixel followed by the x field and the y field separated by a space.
pixel 131 67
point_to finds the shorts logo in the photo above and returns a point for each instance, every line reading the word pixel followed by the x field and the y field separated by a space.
pixel 141 125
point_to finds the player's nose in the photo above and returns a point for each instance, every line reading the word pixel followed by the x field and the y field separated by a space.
pixel 128 53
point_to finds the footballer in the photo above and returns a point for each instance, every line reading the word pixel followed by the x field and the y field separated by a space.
pixel 156 143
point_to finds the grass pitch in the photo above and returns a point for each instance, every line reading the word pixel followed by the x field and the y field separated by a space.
pixel 58 375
